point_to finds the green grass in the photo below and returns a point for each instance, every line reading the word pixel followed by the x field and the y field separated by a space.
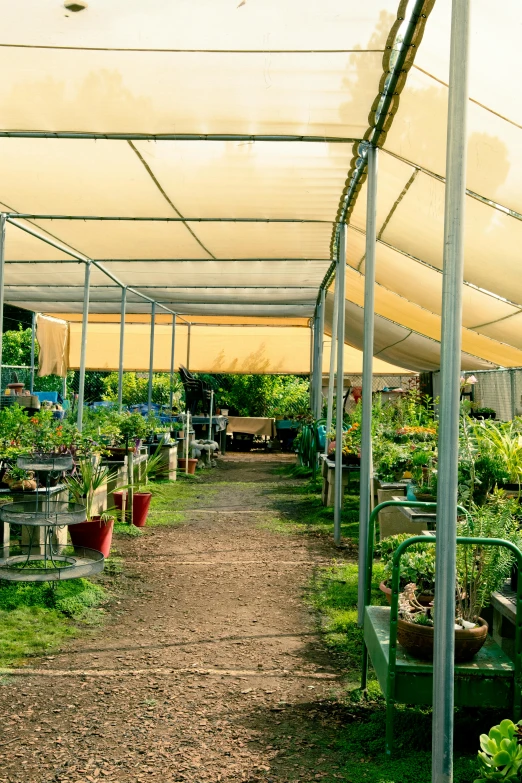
pixel 36 618
pixel 300 509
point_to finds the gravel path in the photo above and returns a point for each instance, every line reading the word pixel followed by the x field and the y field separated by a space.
pixel 209 654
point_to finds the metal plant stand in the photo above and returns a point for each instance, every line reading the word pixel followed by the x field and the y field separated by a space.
pixel 40 556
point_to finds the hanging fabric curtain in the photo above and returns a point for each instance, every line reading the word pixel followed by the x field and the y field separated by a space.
pixel 53 340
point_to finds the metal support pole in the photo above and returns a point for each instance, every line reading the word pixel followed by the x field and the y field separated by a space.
pixel 2 266
pixel 367 377
pixel 172 355
pixel 331 376
pixel 341 282
pixel 312 357
pixel 33 336
pixel 188 346
pixel 83 350
pixel 452 283
pixel 151 354
pixel 210 415
pixel 319 357
pixel 64 387
pixel 513 387
pixel 122 346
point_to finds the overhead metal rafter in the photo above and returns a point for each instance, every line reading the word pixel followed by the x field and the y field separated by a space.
pixel 101 218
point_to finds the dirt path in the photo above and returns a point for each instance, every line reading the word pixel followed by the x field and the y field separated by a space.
pixel 209 670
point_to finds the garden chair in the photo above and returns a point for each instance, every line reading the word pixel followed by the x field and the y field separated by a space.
pixel 197 392
pixel 490 678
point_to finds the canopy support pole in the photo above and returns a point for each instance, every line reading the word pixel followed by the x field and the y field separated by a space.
pixel 331 375
pixel 151 354
pixel 313 374
pixel 122 346
pixel 83 350
pixel 367 377
pixel 3 220
pixel 451 337
pixel 33 337
pixel 341 318
pixel 172 355
pixel 188 347
pixel 319 357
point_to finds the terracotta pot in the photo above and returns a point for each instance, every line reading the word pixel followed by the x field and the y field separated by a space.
pixel 94 534
pixel 140 505
pixel 424 599
pixel 191 465
pixel 418 640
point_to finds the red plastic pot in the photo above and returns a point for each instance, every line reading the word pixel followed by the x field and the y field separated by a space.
pixel 191 465
pixel 140 506
pixel 94 534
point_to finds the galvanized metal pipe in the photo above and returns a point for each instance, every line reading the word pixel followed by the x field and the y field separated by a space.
pixel 33 336
pixel 172 356
pixel 151 353
pixel 122 346
pixel 188 345
pixel 3 220
pixel 175 136
pixel 83 350
pixel 155 219
pixel 341 318
pixel 331 375
pixel 451 336
pixel 367 377
pixel 319 365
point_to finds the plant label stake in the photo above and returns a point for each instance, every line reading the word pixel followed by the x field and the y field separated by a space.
pixel 210 417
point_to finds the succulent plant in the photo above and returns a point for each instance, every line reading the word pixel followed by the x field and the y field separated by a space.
pixel 501 754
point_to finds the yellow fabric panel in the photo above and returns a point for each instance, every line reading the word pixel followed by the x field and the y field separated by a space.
pixel 423 285
pixel 392 175
pixel 495 52
pixel 266 240
pixel 407 313
pixel 20 246
pixel 83 177
pixel 103 346
pixel 492 238
pixel 154 92
pixel 220 349
pixel 246 179
pixel 207 24
pixel 126 240
pixel 164 318
pixel 53 340
pixel 418 133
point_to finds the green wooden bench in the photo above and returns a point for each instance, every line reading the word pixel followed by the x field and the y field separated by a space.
pixel 490 678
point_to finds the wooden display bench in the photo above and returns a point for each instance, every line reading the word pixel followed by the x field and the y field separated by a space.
pixel 328 474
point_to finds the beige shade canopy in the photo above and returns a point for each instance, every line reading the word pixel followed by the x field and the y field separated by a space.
pixel 222 135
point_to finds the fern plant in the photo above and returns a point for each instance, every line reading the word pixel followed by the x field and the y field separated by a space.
pixel 481 570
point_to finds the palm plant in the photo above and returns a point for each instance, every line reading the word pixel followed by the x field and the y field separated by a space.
pixel 88 477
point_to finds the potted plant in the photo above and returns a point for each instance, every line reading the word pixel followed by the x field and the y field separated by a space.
pixel 96 531
pixel 481 570
pixel 417 567
pixel 390 459
pixel 351 446
pixel 141 495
